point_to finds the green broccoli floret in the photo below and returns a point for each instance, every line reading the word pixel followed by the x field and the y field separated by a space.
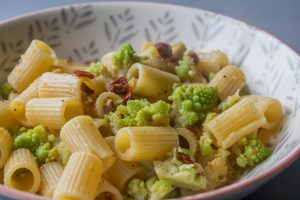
pixel 37 141
pixel 182 171
pixel 186 69
pixel 137 189
pixel 205 144
pixel 5 90
pixel 97 69
pixel 125 56
pixel 192 103
pixel 229 101
pixel 141 113
pixel 254 152
pixel 159 189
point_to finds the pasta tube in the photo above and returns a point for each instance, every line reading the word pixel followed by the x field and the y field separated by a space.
pixel 7 119
pixel 5 146
pixel 81 134
pixel 187 139
pixel 59 85
pixel 80 178
pixel 50 175
pixel 271 108
pixel 212 62
pixel 21 171
pixel 238 121
pixel 228 81
pixel 104 127
pixel 108 191
pixel 145 143
pixel 121 172
pixel 150 82
pixel 52 112
pixel 18 104
pixel 37 59
pixel 104 102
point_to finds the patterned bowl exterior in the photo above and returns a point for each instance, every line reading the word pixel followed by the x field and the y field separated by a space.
pixel 86 31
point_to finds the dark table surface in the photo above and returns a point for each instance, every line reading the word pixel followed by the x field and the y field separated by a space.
pixel 278 17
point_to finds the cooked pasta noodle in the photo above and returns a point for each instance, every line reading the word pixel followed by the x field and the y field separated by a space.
pixel 80 178
pixel 81 134
pixel 38 58
pixel 7 118
pixel 228 81
pixel 147 81
pixel 145 143
pixel 105 99
pixel 187 139
pixel 238 121
pixel 50 175
pixel 107 190
pixel 5 146
pixel 59 85
pixel 21 171
pixel 52 112
pixel 120 173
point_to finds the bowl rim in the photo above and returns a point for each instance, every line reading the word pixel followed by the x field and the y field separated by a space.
pixel 13 193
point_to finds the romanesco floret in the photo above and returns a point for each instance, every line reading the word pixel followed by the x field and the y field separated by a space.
pixel 205 144
pixel 137 189
pixel 5 90
pixel 141 113
pixel 125 56
pixel 97 69
pixel 186 69
pixel 37 141
pixel 229 101
pixel 159 188
pixel 254 152
pixel 181 169
pixel 192 103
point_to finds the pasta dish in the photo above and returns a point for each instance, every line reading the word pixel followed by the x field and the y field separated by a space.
pixel 164 122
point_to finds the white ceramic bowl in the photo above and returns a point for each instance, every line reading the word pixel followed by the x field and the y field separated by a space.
pixel 87 31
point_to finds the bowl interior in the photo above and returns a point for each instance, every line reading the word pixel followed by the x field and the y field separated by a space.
pixel 85 32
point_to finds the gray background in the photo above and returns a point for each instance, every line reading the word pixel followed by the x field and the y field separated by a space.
pixel 278 17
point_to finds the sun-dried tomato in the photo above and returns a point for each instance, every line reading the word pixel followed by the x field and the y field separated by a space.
pixel 164 50
pixel 80 73
pixel 194 129
pixel 195 57
pixel 184 158
pixel 120 86
pixel 86 89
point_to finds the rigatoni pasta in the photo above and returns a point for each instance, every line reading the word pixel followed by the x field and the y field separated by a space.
pixel 38 58
pixel 147 81
pixel 7 119
pixel 80 177
pixel 235 123
pixel 52 112
pixel 145 143
pixel 108 191
pixel 5 146
pixel 21 171
pixel 120 173
pixel 50 175
pixel 228 81
pixel 81 134
pixel 59 85
pixel 18 104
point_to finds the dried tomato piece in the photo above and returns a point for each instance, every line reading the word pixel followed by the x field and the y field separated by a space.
pixel 194 129
pixel 80 73
pixel 127 98
pixel 195 57
pixel 120 86
pixel 184 158
pixel 86 89
pixel 164 50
